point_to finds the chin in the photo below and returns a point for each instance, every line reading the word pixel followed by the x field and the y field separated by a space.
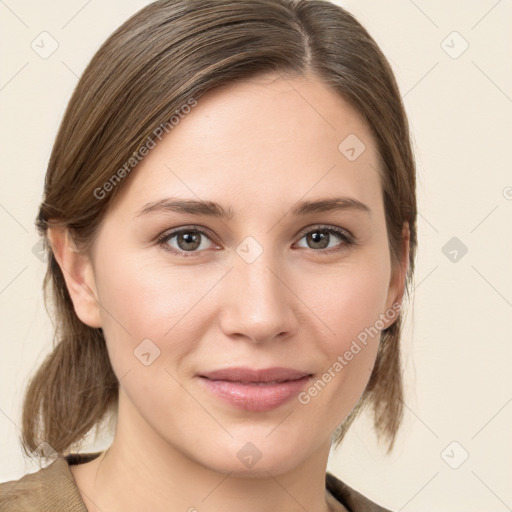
pixel 274 465
pixel 256 456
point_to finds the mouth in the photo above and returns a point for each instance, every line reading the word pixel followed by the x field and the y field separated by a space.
pixel 255 390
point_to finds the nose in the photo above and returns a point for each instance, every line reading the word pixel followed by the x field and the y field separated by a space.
pixel 258 305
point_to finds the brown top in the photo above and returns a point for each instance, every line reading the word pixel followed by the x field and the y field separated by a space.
pixel 53 489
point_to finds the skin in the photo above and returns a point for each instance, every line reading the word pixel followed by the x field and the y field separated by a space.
pixel 258 148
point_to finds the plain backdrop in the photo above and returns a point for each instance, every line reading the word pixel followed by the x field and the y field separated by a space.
pixel 452 63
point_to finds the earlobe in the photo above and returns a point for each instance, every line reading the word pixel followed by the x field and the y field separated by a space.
pixel 78 274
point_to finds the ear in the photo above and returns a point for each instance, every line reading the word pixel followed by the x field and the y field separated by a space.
pixel 399 273
pixel 78 274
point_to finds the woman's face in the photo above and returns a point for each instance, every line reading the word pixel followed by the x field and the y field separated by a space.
pixel 285 279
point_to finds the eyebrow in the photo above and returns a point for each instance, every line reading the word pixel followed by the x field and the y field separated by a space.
pixel 213 209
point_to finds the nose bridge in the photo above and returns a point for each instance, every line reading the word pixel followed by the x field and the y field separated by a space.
pixel 259 303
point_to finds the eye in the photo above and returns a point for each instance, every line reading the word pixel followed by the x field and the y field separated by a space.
pixel 186 240
pixel 321 237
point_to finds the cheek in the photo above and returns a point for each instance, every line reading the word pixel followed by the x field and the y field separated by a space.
pixel 350 303
pixel 148 299
pixel 347 301
pixel 142 301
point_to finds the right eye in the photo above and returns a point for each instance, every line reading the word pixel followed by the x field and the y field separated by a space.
pixel 181 241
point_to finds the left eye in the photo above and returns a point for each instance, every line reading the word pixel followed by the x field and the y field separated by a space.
pixel 321 238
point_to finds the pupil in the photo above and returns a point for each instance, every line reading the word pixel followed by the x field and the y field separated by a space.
pixel 320 239
pixel 189 238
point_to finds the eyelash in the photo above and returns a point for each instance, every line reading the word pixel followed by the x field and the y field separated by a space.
pixel 345 236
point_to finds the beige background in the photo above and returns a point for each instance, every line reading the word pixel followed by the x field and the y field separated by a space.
pixel 457 355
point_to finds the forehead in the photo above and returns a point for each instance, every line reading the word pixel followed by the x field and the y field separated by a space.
pixel 261 139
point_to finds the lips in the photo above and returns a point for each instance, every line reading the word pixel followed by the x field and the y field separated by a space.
pixel 255 390
pixel 250 376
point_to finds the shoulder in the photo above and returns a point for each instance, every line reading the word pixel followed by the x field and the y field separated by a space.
pixel 350 498
pixel 47 490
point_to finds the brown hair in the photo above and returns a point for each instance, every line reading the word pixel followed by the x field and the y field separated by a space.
pixel 147 70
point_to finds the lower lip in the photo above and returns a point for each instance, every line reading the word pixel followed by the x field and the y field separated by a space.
pixel 256 397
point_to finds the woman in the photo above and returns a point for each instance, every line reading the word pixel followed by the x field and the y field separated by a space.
pixel 230 219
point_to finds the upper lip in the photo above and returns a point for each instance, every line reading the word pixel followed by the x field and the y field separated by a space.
pixel 243 374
